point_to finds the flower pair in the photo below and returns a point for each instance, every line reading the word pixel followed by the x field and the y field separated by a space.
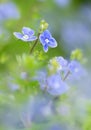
pixel 45 38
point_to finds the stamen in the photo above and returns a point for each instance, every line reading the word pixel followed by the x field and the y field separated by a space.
pixel 46 40
pixel 26 37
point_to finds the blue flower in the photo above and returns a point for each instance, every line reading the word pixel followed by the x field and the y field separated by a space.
pixel 76 69
pixel 26 35
pixel 74 66
pixel 56 86
pixel 62 63
pixel 47 40
pixel 53 84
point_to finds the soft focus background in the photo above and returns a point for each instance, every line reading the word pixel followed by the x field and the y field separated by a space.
pixel 22 104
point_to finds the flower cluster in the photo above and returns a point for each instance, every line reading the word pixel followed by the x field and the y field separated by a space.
pixel 53 80
pixel 59 69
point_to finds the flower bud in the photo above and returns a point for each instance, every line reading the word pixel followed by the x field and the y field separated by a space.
pixel 43 25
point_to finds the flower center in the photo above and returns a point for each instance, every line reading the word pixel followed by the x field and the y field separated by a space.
pixel 46 40
pixel 26 37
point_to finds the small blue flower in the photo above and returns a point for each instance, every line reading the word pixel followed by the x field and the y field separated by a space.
pixel 47 40
pixel 56 86
pixel 74 66
pixel 62 62
pixel 26 35
pixel 78 72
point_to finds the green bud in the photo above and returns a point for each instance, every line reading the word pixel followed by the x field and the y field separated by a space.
pixel 43 25
pixel 76 55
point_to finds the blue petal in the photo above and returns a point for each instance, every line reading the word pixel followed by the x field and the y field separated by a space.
pixel 27 31
pixel 74 66
pixel 18 35
pixel 63 62
pixel 45 48
pixel 47 34
pixel 52 43
pixel 58 91
pixel 29 39
pixel 42 39
pixel 33 38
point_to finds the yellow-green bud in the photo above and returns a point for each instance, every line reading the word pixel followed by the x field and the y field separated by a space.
pixel 76 54
pixel 43 25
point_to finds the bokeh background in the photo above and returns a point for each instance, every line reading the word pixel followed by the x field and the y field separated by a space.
pixel 70 23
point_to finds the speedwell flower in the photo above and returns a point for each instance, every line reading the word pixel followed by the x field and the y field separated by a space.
pixel 26 35
pixel 47 40
pixel 74 66
pixel 76 69
pixel 62 63
pixel 56 86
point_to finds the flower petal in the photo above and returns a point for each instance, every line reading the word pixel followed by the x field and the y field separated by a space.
pixel 45 48
pixel 33 38
pixel 58 91
pixel 52 43
pixel 18 35
pixel 27 31
pixel 42 39
pixel 46 34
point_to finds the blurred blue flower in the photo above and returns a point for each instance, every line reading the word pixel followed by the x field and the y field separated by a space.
pixel 56 86
pixel 52 84
pixel 36 105
pixel 74 39
pixel 77 71
pixel 47 40
pixel 26 35
pixel 8 11
pixel 63 62
pixel 23 75
pixel 74 66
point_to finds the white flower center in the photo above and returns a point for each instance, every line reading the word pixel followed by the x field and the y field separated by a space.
pixel 25 37
pixel 46 40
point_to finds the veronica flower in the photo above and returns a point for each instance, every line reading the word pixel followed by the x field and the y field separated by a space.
pixel 56 86
pixel 26 35
pixel 62 62
pixel 74 66
pixel 77 71
pixel 47 40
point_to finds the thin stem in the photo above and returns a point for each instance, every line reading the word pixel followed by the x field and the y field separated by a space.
pixel 34 44
pixel 65 77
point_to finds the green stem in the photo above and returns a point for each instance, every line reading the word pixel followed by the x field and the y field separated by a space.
pixel 65 77
pixel 34 44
